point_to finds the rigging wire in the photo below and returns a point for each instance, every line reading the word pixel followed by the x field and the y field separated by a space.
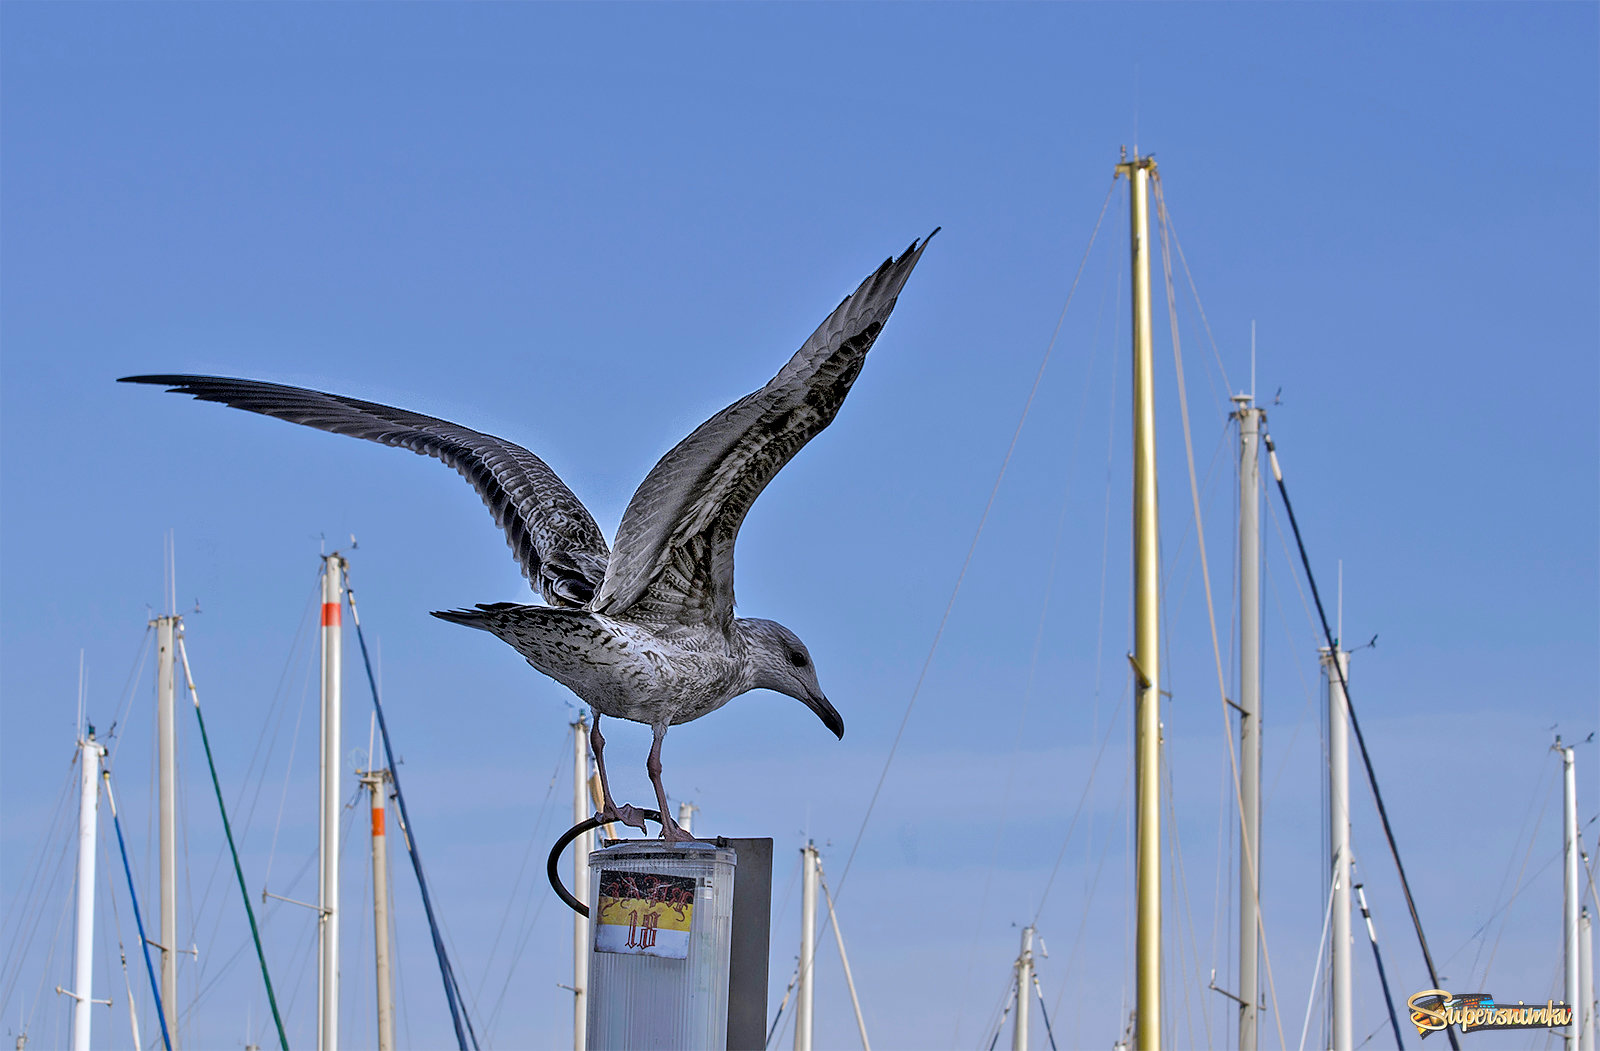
pixel 294 746
pixel 38 891
pixel 1252 866
pixel 1533 835
pixel 1316 972
pixel 1355 724
pixel 116 923
pixel 1383 976
pixel 1022 714
pixel 1048 1031
pixel 233 851
pixel 144 942
pixel 525 925
pixel 458 1007
pixel 1188 913
pixel 944 618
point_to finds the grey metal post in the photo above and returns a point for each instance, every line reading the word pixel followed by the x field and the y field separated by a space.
pixel 167 760
pixel 331 754
pixel 808 947
pixel 1339 848
pixel 1569 916
pixel 752 944
pixel 374 780
pixel 1249 718
pixel 1024 975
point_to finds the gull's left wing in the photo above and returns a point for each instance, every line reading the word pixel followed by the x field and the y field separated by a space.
pixel 673 557
pixel 551 534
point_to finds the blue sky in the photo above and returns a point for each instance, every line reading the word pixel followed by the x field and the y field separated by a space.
pixel 586 229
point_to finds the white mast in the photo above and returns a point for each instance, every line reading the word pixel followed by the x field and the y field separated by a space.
pixel 1024 973
pixel 1338 668
pixel 89 753
pixel 809 863
pixel 374 780
pixel 328 879
pixel 581 811
pixel 1146 630
pixel 1569 912
pixel 167 761
pixel 1249 710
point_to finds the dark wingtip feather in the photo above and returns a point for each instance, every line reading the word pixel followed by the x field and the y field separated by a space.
pixel 165 381
pixel 468 617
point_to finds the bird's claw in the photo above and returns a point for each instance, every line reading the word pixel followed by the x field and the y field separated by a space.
pixel 674 834
pixel 626 814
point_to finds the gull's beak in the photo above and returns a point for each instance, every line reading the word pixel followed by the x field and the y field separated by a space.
pixel 826 712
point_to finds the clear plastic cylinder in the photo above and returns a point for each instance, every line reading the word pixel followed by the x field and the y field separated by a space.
pixel 661 928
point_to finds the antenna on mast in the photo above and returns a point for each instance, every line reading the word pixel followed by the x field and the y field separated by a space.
pixel 1252 359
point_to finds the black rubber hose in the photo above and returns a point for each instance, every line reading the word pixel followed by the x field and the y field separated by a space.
pixel 568 836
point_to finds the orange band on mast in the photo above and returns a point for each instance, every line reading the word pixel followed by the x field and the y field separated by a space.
pixel 377 821
pixel 330 614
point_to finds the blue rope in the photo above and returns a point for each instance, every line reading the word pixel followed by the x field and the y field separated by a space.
pixel 138 920
pixel 452 993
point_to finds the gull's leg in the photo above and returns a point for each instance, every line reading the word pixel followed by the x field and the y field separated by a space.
pixel 610 811
pixel 669 828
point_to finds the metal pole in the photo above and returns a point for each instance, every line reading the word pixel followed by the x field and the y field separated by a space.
pixel 686 816
pixel 1024 970
pixel 374 780
pixel 1569 914
pixel 167 796
pixel 89 753
pixel 1146 613
pixel 1249 719
pixel 849 979
pixel 1585 981
pixel 328 880
pixel 1377 957
pixel 808 946
pixel 581 811
pixel 1339 848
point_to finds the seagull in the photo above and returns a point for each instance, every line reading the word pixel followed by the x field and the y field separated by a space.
pixel 644 630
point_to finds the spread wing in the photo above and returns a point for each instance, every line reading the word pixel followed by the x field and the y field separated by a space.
pixel 673 561
pixel 551 533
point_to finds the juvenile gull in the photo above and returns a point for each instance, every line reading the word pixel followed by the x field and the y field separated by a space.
pixel 645 631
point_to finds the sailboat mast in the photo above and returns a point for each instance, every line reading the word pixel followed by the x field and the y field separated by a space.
pixel 1569 912
pixel 581 810
pixel 1338 665
pixel 90 752
pixel 1024 980
pixel 374 781
pixel 804 1000
pixel 167 761
pixel 1249 716
pixel 1146 630
pixel 328 880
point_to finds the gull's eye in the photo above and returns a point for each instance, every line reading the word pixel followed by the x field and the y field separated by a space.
pixel 798 659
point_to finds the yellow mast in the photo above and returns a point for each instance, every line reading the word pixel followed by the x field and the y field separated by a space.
pixel 1146 631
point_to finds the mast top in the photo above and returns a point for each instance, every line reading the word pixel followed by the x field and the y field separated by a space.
pixel 1127 167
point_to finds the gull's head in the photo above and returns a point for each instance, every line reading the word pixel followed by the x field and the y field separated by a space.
pixel 783 663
